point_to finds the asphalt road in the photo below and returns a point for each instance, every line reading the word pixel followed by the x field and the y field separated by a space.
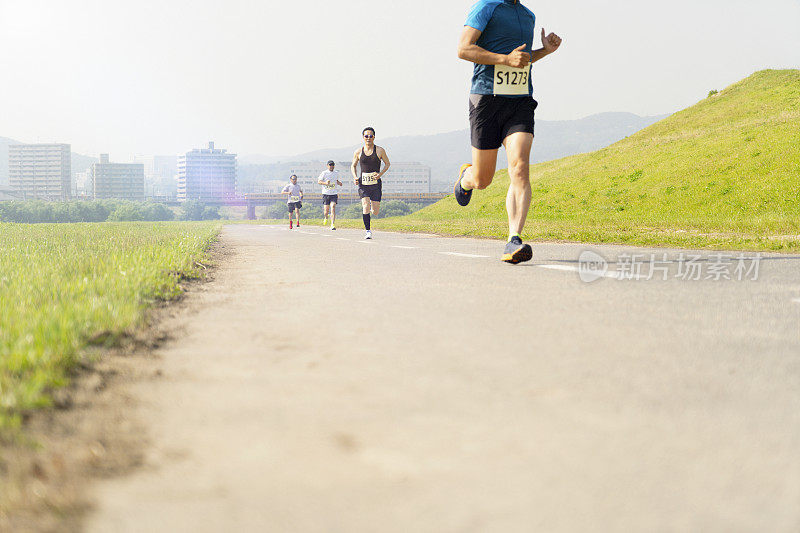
pixel 417 383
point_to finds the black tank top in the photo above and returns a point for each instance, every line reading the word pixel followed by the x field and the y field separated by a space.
pixel 370 163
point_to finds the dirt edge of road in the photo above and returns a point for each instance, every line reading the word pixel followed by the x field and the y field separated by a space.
pixel 92 432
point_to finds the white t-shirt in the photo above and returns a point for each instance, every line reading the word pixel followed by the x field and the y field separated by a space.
pixel 332 176
pixel 294 192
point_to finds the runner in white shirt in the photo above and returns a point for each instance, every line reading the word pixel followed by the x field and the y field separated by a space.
pixel 294 202
pixel 329 179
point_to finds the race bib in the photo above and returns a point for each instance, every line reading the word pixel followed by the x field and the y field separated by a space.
pixel 510 81
pixel 331 186
pixel 370 178
pixel 294 199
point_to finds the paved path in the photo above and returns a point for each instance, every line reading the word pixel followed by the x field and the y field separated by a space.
pixel 414 383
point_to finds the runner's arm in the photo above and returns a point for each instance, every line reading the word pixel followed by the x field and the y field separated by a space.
pixel 353 167
pixel 469 51
pixel 385 159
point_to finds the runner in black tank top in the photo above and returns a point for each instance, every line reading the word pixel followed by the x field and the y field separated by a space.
pixel 368 178
pixel 370 163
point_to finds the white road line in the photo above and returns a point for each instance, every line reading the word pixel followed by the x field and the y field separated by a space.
pixel 405 247
pixel 462 255
pixel 565 268
pixel 796 301
pixel 341 239
pixel 569 268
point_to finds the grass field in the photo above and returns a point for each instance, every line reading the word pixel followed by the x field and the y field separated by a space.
pixel 64 286
pixel 724 173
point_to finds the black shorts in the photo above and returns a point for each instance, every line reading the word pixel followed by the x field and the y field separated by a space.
pixel 328 199
pixel 294 205
pixel 493 118
pixel 373 192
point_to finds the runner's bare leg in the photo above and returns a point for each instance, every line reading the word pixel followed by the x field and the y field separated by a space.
pixel 480 174
pixel 518 200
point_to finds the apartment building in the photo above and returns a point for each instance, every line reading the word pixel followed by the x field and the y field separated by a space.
pixel 40 171
pixel 207 174
pixel 123 181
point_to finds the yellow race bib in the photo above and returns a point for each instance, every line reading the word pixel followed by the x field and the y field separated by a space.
pixel 370 178
pixel 510 81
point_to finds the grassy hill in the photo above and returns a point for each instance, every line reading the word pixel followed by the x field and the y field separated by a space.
pixel 722 173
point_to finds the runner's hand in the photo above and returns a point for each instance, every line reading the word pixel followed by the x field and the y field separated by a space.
pixel 551 42
pixel 518 58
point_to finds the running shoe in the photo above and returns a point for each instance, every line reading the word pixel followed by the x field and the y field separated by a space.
pixel 368 235
pixel 290 224
pixel 325 221
pixel 462 197
pixel 517 252
pixel 333 228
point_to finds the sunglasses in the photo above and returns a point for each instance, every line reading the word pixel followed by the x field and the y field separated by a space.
pixel 369 136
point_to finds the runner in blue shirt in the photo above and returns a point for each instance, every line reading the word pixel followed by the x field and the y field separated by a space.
pixel 498 38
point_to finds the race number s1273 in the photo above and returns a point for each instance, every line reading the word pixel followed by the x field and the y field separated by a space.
pixel 511 81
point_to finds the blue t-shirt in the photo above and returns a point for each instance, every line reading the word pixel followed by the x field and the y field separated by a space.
pixel 504 25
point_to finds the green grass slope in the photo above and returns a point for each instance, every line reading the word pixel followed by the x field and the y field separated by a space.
pixel 722 173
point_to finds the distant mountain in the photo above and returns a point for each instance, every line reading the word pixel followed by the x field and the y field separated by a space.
pixel 80 162
pixel 444 152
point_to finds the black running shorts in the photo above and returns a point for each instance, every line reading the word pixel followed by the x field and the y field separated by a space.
pixel 493 118
pixel 373 192
pixel 328 199
pixel 294 205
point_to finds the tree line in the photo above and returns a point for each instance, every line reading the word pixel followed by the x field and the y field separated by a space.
pixel 389 208
pixel 38 211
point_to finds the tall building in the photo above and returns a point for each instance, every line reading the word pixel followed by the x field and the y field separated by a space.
pixel 40 170
pixel 403 177
pixel 124 181
pixel 207 174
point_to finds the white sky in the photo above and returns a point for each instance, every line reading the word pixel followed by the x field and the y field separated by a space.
pixel 279 78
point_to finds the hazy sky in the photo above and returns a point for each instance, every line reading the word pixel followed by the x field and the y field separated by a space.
pixel 279 78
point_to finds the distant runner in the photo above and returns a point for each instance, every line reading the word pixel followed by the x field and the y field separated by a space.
pixel 498 38
pixel 369 182
pixel 294 202
pixel 329 179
